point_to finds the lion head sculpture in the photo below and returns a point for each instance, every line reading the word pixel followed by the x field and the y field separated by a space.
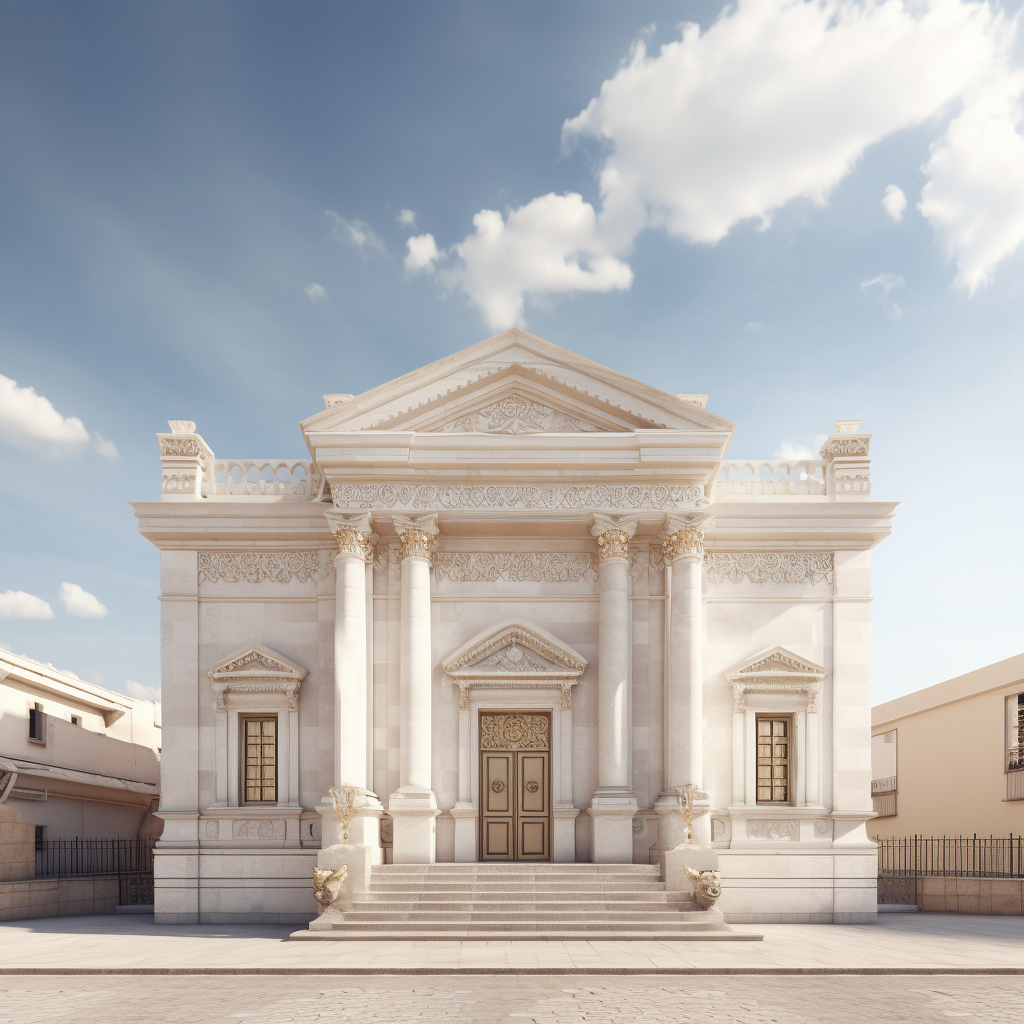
pixel 327 884
pixel 707 886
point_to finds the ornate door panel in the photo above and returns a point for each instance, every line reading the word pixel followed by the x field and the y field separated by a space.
pixel 515 786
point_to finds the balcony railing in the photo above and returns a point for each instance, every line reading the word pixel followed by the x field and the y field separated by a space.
pixel 1015 758
pixel 883 785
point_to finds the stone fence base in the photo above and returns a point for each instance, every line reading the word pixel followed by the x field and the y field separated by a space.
pixel 59 897
pixel 971 895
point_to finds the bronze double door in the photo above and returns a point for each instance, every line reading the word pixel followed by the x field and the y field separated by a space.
pixel 515 785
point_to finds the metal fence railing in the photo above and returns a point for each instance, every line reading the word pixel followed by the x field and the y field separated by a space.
pixel 130 859
pixel 952 856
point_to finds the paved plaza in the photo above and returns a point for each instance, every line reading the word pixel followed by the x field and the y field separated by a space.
pixel 133 943
pixel 519 1000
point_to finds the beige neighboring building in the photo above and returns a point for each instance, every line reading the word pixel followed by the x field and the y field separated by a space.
pixel 87 758
pixel 948 760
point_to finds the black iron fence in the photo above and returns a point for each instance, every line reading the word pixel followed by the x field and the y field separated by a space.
pixel 953 856
pixel 130 859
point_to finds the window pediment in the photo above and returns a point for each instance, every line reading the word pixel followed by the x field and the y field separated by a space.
pixel 256 670
pixel 776 672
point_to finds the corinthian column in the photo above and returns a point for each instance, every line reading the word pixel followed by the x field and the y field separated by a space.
pixel 354 538
pixel 413 806
pixel 613 805
pixel 683 543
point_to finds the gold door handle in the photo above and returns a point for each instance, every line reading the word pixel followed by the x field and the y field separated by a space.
pixel 497 786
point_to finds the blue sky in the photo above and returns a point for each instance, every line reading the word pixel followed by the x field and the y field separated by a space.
pixel 175 179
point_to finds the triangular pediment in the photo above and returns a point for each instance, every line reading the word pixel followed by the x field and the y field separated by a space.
pixel 776 664
pixel 255 663
pixel 514 383
pixel 514 649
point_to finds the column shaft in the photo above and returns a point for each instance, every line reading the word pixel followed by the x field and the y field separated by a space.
pixel 350 671
pixel 684 692
pixel 414 676
pixel 613 677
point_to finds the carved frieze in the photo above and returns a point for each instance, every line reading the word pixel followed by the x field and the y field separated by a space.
pixel 515 567
pixel 258 829
pixel 576 497
pixel 773 830
pixel 259 566
pixel 181 446
pixel 517 414
pixel 768 567
pixel 515 732
pixel 846 446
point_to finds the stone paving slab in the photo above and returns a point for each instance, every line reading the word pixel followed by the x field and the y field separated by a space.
pixel 903 944
pixel 503 1000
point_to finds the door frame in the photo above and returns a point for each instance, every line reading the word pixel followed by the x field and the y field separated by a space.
pixel 514 774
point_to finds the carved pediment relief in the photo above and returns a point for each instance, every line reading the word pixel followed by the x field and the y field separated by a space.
pixel 776 671
pixel 514 655
pixel 517 413
pixel 256 670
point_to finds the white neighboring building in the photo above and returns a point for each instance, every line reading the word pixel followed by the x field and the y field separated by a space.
pixel 88 759
pixel 515 598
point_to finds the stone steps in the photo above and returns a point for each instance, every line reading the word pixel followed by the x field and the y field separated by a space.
pixel 519 902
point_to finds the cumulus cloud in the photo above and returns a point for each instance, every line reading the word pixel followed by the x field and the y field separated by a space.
pixel 777 101
pixel 80 603
pixel 894 202
pixel 16 604
pixel 881 287
pixel 357 233
pixel 422 254
pixel 794 451
pixel 142 692
pixel 316 293
pixel 407 219
pixel 551 245
pixel 30 419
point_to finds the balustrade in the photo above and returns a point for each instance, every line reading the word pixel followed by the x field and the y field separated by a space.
pixel 295 479
pixel 771 476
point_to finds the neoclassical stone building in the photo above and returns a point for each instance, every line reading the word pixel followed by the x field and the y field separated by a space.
pixel 515 598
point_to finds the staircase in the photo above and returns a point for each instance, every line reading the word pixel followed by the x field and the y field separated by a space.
pixel 499 901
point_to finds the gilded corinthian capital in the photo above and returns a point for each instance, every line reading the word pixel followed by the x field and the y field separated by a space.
pixel 613 535
pixel 682 537
pixel 353 534
pixel 418 536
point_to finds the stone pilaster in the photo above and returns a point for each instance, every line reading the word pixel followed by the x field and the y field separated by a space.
pixel 354 537
pixel 413 806
pixel 683 545
pixel 614 804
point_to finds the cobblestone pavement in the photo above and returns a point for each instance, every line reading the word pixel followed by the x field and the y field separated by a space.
pixel 509 1000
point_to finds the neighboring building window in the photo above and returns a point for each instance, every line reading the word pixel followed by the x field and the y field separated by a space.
pixel 259 737
pixel 76 719
pixel 37 724
pixel 773 763
pixel 1015 733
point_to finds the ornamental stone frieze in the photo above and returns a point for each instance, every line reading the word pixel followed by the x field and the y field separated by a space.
pixel 580 497
pixel 516 567
pixel 768 567
pixel 259 566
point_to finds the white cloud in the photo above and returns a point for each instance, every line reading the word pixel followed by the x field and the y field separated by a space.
pixel 776 101
pixel 142 692
pixel 24 415
pixel 894 202
pixel 80 603
pixel 16 604
pixel 30 419
pixel 316 292
pixel 105 447
pixel 357 233
pixel 794 451
pixel 407 219
pixel 885 284
pixel 422 254
pixel 550 245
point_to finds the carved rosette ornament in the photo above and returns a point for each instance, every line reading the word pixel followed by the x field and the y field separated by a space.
pixel 684 543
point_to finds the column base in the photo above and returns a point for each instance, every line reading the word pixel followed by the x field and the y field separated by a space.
pixel 672 824
pixel 564 833
pixel 414 830
pixel 466 817
pixel 363 829
pixel 611 827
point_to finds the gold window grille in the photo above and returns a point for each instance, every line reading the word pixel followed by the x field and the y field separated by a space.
pixel 260 764
pixel 773 760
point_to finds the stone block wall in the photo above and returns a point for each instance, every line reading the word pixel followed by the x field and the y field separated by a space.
pixel 58 897
pixel 971 895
